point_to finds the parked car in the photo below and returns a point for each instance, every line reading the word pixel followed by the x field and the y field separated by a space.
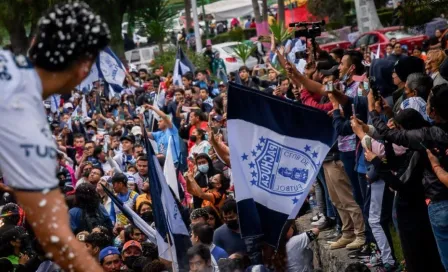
pixel 231 60
pixel 383 36
pixel 328 42
pixel 144 55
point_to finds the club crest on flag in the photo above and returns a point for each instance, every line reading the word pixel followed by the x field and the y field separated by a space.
pixel 279 169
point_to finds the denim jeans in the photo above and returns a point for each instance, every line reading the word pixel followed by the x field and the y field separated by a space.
pixel 438 216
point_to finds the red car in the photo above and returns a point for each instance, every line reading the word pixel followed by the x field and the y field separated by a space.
pixel 328 41
pixel 383 36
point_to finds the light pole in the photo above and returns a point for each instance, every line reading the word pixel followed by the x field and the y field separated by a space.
pixel 197 34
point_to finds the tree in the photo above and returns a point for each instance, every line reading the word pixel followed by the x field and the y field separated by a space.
pixel 257 14
pixel 323 8
pixel 18 15
pixel 280 32
pixel 264 10
pixel 243 51
pixel 156 16
pixel 281 11
pixel 188 19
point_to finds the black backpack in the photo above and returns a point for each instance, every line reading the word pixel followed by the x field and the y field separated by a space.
pixel 89 221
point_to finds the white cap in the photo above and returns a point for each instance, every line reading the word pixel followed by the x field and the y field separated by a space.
pixel 68 105
pixel 136 130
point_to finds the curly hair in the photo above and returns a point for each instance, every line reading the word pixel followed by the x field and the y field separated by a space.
pixel 66 34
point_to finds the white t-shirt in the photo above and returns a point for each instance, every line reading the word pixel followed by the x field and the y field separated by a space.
pixel 27 149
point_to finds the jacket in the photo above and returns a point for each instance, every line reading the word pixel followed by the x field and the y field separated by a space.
pixel 431 137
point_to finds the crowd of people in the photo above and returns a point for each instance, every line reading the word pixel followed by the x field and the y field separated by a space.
pixel 386 168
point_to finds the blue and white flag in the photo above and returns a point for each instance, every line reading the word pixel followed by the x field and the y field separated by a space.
pixel 167 213
pixel 107 67
pixel 55 101
pixel 276 150
pixel 132 216
pixel 181 66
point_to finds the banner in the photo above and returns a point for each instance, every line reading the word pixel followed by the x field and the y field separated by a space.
pixel 276 162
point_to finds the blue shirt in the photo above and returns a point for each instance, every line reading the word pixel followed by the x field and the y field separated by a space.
pixel 162 138
pixel 75 217
pixel 228 240
pixel 219 253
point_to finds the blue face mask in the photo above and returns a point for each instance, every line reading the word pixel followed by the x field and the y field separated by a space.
pixel 203 168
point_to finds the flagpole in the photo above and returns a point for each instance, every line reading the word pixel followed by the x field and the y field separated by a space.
pixel 171 251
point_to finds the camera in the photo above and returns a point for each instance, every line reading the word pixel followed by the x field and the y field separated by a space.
pixel 309 30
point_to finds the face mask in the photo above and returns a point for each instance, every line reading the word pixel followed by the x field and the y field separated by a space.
pixel 233 224
pixel 129 261
pixel 203 168
pixel 193 138
pixel 117 242
pixel 148 217
pixel 129 126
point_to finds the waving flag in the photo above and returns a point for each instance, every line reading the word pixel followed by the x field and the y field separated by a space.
pixel 169 171
pixel 276 162
pixel 181 66
pixel 167 213
pixel 107 67
pixel 132 216
pixel 55 101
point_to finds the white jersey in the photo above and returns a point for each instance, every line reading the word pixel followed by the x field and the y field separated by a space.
pixel 27 149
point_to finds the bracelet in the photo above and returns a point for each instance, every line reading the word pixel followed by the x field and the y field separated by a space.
pixel 435 166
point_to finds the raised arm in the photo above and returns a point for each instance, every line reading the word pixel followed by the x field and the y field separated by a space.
pixel 194 189
pixel 297 77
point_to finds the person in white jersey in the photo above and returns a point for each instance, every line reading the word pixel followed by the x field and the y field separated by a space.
pixel 68 39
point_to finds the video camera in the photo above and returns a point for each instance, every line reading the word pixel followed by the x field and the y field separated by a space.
pixel 310 30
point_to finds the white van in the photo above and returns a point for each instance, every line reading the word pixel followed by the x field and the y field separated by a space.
pixel 144 55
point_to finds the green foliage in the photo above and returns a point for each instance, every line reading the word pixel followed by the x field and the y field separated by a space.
pixel 168 58
pixel 230 37
pixel 280 32
pixel 243 51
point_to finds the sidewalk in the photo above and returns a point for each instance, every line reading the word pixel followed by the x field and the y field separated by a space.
pixel 324 258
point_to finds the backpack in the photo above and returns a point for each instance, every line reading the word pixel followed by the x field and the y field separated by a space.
pixel 89 221
pixel 192 42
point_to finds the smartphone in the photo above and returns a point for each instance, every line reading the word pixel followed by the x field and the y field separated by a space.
pixel 369 143
pixel 329 86
pixel 216 130
pixel 262 66
pixel 353 110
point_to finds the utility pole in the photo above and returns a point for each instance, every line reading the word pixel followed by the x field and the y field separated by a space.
pixel 197 34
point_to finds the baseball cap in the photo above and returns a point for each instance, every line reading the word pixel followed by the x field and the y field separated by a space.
pixel 68 105
pixel 132 243
pixel 332 71
pixel 217 118
pixel 107 251
pixel 128 138
pixel 136 130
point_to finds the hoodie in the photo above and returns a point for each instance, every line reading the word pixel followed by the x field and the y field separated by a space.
pixel 202 179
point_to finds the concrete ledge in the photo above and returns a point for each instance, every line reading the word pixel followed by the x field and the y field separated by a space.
pixel 324 258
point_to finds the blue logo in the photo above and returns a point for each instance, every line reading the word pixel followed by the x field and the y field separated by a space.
pixel 280 169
